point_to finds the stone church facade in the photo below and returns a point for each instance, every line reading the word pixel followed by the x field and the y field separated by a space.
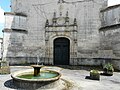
pixel 62 32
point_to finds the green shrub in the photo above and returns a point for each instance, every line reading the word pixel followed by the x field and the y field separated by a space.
pixel 94 71
pixel 108 67
pixel 94 74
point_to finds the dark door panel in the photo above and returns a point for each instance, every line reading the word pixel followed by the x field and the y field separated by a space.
pixel 61 51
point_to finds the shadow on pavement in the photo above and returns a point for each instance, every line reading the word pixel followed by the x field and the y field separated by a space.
pixel 88 68
pixel 9 84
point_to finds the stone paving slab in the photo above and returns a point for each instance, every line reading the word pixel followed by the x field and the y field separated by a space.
pixel 76 77
pixel 105 83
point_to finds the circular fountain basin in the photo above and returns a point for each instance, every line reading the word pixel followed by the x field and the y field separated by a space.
pixel 26 79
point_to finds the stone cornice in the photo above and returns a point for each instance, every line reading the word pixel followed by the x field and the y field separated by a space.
pixel 17 14
pixel 61 25
pixel 7 30
pixel 16 30
pixel 110 7
pixel 105 28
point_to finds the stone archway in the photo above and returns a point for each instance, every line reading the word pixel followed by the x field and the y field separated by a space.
pixel 61 51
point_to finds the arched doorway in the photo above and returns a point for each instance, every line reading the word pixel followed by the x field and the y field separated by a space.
pixel 61 51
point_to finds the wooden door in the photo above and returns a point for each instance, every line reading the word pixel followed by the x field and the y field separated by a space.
pixel 61 51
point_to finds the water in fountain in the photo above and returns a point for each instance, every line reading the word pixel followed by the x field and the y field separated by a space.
pixel 38 60
pixel 43 75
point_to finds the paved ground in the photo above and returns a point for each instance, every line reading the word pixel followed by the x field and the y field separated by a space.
pixel 76 77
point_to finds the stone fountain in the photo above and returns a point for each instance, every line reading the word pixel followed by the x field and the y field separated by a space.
pixel 36 78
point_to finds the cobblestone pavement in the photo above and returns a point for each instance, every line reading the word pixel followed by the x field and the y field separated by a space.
pixel 77 77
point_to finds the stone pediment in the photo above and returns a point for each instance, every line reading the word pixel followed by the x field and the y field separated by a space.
pixel 61 21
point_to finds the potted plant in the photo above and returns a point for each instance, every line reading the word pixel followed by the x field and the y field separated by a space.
pixel 108 69
pixel 95 75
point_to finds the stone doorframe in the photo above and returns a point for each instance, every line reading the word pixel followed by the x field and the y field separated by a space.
pixel 50 46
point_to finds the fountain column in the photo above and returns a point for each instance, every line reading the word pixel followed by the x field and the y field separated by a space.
pixel 37 69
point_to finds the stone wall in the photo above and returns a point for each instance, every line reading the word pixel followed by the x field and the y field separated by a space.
pixel 88 34
pixel 110 15
pixel 1 47
pixel 110 33
pixel 30 41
